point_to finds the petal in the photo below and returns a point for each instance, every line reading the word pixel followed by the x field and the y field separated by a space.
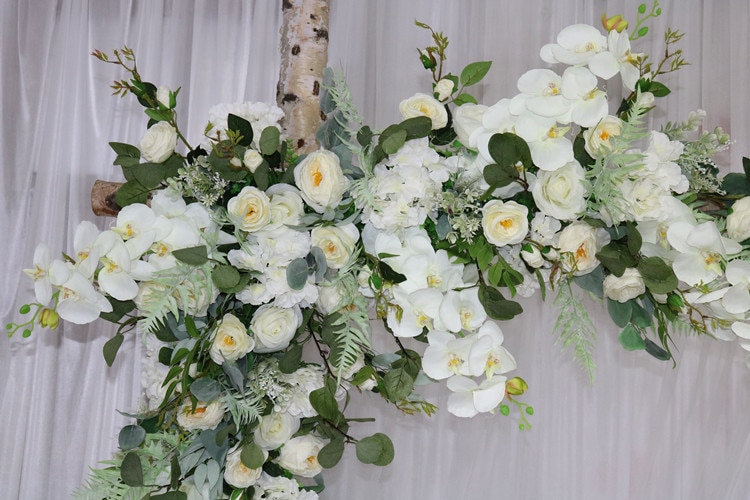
pixel 490 394
pixel 552 154
pixel 118 285
pixel 79 312
pixel 604 65
pixel 737 300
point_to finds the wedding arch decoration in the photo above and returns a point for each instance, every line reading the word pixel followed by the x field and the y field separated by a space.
pixel 247 253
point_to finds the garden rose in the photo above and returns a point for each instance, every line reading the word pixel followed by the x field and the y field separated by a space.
pixel 231 340
pixel 561 193
pixel 300 455
pixel 238 474
pixel 738 222
pixel 505 223
pixel 597 138
pixel 286 205
pixel 337 242
pixel 425 105
pixel 252 159
pixel 249 210
pixel 204 416
pixel 274 327
pixel 275 429
pixel 629 286
pixel 158 142
pixel 321 180
pixel 579 244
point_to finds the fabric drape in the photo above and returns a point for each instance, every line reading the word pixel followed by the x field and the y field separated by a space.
pixel 644 429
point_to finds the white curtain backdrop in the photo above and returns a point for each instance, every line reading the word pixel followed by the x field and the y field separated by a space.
pixel 644 430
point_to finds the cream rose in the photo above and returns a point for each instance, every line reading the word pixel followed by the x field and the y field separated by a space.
pixel 163 96
pixel 337 242
pixel 444 89
pixel 275 429
pixel 252 159
pixel 561 193
pixel 299 455
pixel 158 142
pixel 274 327
pixel 249 210
pixel 329 298
pixel 321 180
pixel 738 222
pixel 238 474
pixel 231 340
pixel 467 122
pixel 425 105
pixel 505 223
pixel 628 286
pixel 578 245
pixel 287 206
pixel 204 416
pixel 596 138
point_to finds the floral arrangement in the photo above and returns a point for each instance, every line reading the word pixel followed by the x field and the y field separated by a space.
pixel 253 274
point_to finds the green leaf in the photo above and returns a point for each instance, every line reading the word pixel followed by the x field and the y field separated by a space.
pixel 225 277
pixel 364 136
pixel 262 176
pixel 290 361
pixel 252 456
pixel 131 436
pixel 659 89
pixel 131 470
pixel 508 149
pixel 631 339
pixel 131 192
pixel 634 240
pixel 296 274
pixel 620 312
pixel 205 389
pixel 119 309
pixel 616 258
pixel 324 402
pixel 170 495
pixel 657 275
pixel 376 449
pixel 159 115
pixel 417 127
pixel 496 306
pixel 393 142
pixel 398 384
pixel 746 166
pixel 269 140
pixel 461 99
pixel 474 72
pixel 111 347
pixel 656 351
pixel 149 175
pixel 389 274
pixel 122 149
pixel 735 183
pixel 497 176
pixel 330 454
pixel 194 256
pixel 242 127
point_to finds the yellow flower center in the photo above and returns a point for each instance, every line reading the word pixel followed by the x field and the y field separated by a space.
pixel 317 177
pixel 454 363
pixel 581 252
pixel 434 281
pixel 506 223
pixel 229 341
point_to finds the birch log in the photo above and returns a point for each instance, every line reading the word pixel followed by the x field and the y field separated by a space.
pixel 304 55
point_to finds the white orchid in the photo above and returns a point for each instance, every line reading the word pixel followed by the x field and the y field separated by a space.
pixel 576 46
pixel 416 310
pixel 470 398
pixel 549 147
pixel 588 104
pixel 702 251
pixel 78 302
pixel 618 59
pixel 541 94
pixel 462 310
pixel 446 355
pixel 737 298
pixel 487 353
pixel 40 273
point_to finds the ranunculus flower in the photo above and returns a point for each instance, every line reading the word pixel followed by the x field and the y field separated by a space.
pixel 425 105
pixel 158 142
pixel 321 180
pixel 231 340
pixel 275 429
pixel 444 89
pixel 738 222
pixel 238 474
pixel 580 242
pixel 337 242
pixel 629 286
pixel 561 193
pixel 505 223
pixel 204 416
pixel 249 210
pixel 252 159
pixel 274 327
pixel 300 455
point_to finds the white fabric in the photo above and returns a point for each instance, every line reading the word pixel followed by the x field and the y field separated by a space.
pixel 643 430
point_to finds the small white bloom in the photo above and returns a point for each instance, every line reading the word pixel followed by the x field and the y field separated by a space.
pixel 205 415
pixel 249 210
pixel 274 327
pixel 738 222
pixel 444 89
pixel 299 455
pixel 597 139
pixel 321 181
pixel 425 105
pixel 163 96
pixel 231 340
pixel 40 273
pixel 158 142
pixel 275 429
pixel 505 223
pixel 252 159
pixel 628 286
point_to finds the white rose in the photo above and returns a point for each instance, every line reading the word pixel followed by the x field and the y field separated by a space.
pixel 204 416
pixel 596 138
pixel 561 193
pixel 252 159
pixel 505 223
pixel 277 488
pixel 321 180
pixel 444 89
pixel 738 222
pixel 163 96
pixel 532 256
pixel 238 474
pixel 231 340
pixel 300 455
pixel 329 298
pixel 424 105
pixel 274 327
pixel 337 242
pixel 467 122
pixel 287 207
pixel 275 429
pixel 628 286
pixel 158 142
pixel 579 243
pixel 249 210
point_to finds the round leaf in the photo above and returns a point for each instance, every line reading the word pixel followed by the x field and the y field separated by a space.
pixel 376 449
pixel 131 436
pixel 330 454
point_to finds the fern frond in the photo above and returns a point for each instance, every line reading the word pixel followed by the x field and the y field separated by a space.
pixel 244 408
pixel 574 328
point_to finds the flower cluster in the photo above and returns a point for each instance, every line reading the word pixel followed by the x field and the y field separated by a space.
pixel 254 274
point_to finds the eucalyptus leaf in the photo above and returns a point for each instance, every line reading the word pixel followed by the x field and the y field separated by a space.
pixel 657 351
pixel 269 140
pixel 507 149
pixel 393 142
pixel 631 339
pixel 325 403
pixel 225 277
pixel 417 127
pixel 131 470
pixel 252 456
pixel 131 437
pixel 194 256
pixel 111 347
pixel 330 454
pixel 620 312
pixel 296 274
pixel 205 389
pixel 376 449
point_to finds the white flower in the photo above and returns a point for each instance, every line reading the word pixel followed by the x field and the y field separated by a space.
pixel 532 256
pixel 238 474
pixel 487 354
pixel 738 222
pixel 249 210
pixel 40 274
pixel 114 278
pixel 418 311
pixel 596 139
pixel 286 206
pixel 579 243
pixel 505 223
pixel 337 242
pixel 329 298
pixel 541 93
pixel 544 229
pixel 259 114
pixel 737 299
pixel 628 286
pixel 205 415
pixel 549 147
pixel 702 250
pixel 618 58
pixel 321 180
pixel 78 302
pixel 467 123
pixel 274 327
pixel 275 429
pixel 462 310
pixel 588 104
pixel 230 341
pixel 299 455
pixel 163 96
pixel 561 193
pixel 302 382
pixel 469 398
pixel 446 355
pixel 252 159
pixel 576 46
pixel 444 89
pixel 280 488
pixel 158 142
pixel 425 105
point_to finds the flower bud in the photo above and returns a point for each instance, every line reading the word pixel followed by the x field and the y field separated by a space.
pixel 617 23
pixel 49 319
pixel 428 60
pixel 516 386
pixel 675 302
